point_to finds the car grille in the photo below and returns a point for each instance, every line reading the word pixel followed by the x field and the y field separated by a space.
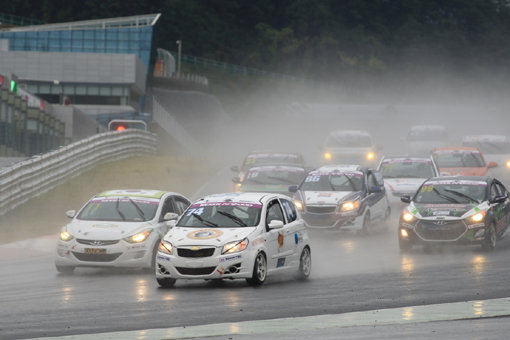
pixel 195 271
pixel 96 242
pixel 204 252
pixel 321 209
pixel 449 231
pixel 96 257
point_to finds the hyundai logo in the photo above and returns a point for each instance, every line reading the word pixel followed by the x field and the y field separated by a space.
pixel 440 222
pixel 97 243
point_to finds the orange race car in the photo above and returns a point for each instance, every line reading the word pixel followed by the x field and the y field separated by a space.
pixel 461 160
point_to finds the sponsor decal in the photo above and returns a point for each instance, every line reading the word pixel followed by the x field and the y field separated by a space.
pixel 205 234
pixel 296 238
pixel 220 270
pixel 280 241
pixel 325 194
pixel 230 258
pixel 227 204
pixel 105 226
pixel 164 258
pixel 280 262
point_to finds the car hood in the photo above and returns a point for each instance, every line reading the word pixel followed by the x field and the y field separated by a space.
pixel 465 171
pixel 186 236
pixel 328 197
pixel 105 231
pixel 445 210
pixel 404 185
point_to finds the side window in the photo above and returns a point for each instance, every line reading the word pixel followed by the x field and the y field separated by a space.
pixel 494 190
pixel 378 178
pixel 181 205
pixel 501 188
pixel 168 206
pixel 274 212
pixel 290 210
pixel 371 181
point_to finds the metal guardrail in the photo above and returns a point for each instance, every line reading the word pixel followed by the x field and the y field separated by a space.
pixel 38 174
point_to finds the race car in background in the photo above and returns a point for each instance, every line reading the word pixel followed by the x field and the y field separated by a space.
pixel 404 175
pixel 233 236
pixel 258 158
pixel 463 161
pixel 455 210
pixel 350 147
pixel 271 178
pixel 343 197
pixel 421 139
pixel 117 228
pixel 495 148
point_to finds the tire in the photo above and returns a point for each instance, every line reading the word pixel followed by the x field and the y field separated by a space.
pixel 305 264
pixel 166 282
pixel 365 229
pixel 65 269
pixel 490 239
pixel 154 254
pixel 404 246
pixel 259 271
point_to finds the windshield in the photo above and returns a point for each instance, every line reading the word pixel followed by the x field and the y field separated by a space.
pixel 454 159
pixel 221 215
pixel 427 135
pixel 121 209
pixel 490 147
pixel 407 169
pixel 346 181
pixel 278 176
pixel 348 140
pixel 456 192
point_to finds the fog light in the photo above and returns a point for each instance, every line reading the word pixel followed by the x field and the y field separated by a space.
pixel 479 233
pixel 327 156
pixel 404 233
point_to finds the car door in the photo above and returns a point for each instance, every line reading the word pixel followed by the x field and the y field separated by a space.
pixel 275 237
pixel 376 200
pixel 293 232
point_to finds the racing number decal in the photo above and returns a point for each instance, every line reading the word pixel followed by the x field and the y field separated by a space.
pixel 196 211
pixel 427 188
pixel 312 179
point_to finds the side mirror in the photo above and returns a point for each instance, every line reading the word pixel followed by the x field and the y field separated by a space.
pixel 275 224
pixel 374 189
pixel 293 188
pixel 234 168
pixel 499 199
pixel 492 164
pixel 70 213
pixel 171 223
pixel 236 180
pixel 170 216
pixel 405 198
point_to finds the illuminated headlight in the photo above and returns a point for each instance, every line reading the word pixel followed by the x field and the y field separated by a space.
pixel 165 247
pixel 404 233
pixel 327 156
pixel 407 216
pixel 508 164
pixel 299 205
pixel 140 237
pixel 478 217
pixel 65 235
pixel 235 247
pixel 349 206
pixel 370 156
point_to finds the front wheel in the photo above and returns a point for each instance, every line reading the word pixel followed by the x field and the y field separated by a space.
pixel 166 282
pixel 490 239
pixel 305 264
pixel 259 271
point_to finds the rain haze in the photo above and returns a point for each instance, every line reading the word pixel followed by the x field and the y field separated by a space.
pixel 219 89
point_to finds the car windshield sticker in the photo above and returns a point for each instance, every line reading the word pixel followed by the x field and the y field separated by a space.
pixel 456 181
pixel 252 174
pixel 195 211
pixel 405 160
pixel 124 200
pixel 204 234
pixel 457 152
pixel 427 187
pixel 336 173
pixel 312 179
pixel 227 204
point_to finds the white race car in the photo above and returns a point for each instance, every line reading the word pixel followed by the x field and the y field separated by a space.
pixel 235 235
pixel 117 228
pixel 404 175
pixel 271 178
pixel 350 147
pixel 421 139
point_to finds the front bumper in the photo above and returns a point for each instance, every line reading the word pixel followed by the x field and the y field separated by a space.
pixel 333 221
pixel 216 266
pixel 424 232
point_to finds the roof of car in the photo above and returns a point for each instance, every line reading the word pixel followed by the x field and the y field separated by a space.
pixel 273 154
pixel 460 178
pixel 244 197
pixel 132 193
pixel 485 138
pixel 340 167
pixel 349 133
pixel 283 167
pixel 457 148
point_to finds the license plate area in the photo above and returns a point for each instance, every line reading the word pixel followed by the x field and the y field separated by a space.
pixel 95 250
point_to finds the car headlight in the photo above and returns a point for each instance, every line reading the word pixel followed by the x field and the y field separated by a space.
pixel 235 247
pixel 139 237
pixel 478 217
pixel 349 206
pixel 327 156
pixel 508 164
pixel 370 156
pixel 407 216
pixel 165 247
pixel 65 235
pixel 299 205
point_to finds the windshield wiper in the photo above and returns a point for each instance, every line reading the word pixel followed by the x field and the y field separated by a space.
pixel 448 198
pixel 118 210
pixel 351 182
pixel 462 195
pixel 140 211
pixel 233 218
pixel 206 222
pixel 331 184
